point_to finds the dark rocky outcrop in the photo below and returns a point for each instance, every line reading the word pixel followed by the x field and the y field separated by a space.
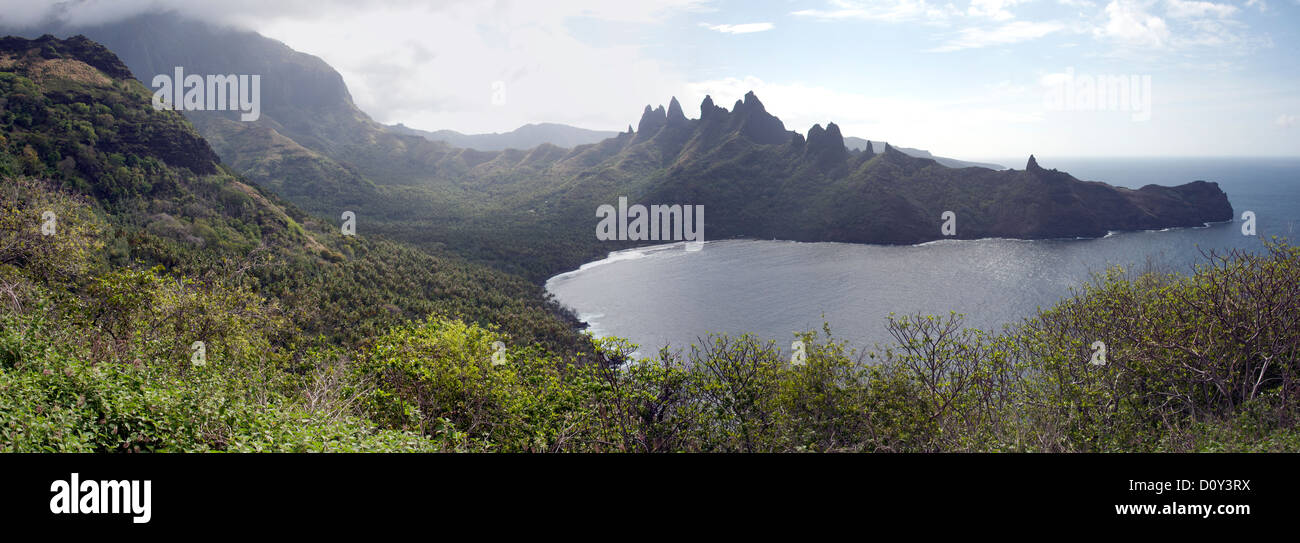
pixel 651 121
pixel 826 146
pixel 753 121
pixel 675 115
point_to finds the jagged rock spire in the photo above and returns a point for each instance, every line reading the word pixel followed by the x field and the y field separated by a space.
pixel 675 115
pixel 652 120
pixel 1032 165
pixel 815 133
pixel 756 123
pixel 833 137
pixel 826 144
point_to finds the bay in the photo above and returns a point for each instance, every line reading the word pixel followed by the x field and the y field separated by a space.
pixel 665 295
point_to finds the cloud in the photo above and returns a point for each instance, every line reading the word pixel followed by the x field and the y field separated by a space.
pixel 745 28
pixel 530 50
pixel 252 14
pixel 437 64
pixel 1285 121
pixel 1186 9
pixel 992 9
pixel 241 13
pixel 880 10
pixel 1128 24
pixel 1014 32
pixel 1133 28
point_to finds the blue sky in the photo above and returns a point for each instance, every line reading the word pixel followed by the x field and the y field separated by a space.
pixel 967 78
pixel 973 78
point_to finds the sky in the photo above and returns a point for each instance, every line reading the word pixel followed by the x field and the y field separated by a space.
pixel 968 78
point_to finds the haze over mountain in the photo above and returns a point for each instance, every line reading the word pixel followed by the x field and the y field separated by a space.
pixel 859 144
pixel 306 100
pixel 524 137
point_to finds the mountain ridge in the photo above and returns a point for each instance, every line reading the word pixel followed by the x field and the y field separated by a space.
pixel 860 144
pixel 529 211
pixel 525 137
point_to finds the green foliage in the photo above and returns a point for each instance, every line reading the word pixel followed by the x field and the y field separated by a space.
pixel 59 391
pixel 70 246
pixel 312 342
pixel 1167 384
pixel 108 368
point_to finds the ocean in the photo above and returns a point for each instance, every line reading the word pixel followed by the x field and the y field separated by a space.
pixel 665 295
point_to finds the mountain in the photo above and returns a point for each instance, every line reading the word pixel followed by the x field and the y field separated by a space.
pixel 766 182
pixel 859 144
pixel 72 116
pixel 530 211
pixel 309 129
pixel 524 137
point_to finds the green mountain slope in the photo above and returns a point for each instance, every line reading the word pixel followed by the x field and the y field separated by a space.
pixel 71 113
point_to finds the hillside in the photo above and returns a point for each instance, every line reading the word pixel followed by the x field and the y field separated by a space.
pixel 71 113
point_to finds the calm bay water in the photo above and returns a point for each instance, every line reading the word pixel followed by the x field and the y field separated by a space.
pixel 665 295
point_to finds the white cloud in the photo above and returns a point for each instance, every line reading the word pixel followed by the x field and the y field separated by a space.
pixel 881 10
pixel 250 13
pixel 992 9
pixel 744 28
pixel 435 68
pixel 1186 9
pixel 1285 121
pixel 896 11
pixel 1128 24
pixel 1014 32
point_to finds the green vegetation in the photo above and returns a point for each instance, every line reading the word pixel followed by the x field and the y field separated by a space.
pixel 315 341
pixel 102 361
pixel 165 200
